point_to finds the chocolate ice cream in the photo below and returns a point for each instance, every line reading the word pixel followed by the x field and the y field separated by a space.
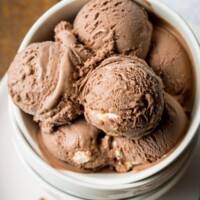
pixel 123 97
pixel 78 144
pixel 168 59
pixel 41 81
pixel 86 147
pixel 65 36
pixel 119 26
pixel 130 153
pixel 96 68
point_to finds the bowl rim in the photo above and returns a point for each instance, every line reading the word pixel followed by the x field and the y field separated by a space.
pixel 167 186
pixel 192 131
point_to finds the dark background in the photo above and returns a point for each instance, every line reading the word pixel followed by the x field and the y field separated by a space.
pixel 16 17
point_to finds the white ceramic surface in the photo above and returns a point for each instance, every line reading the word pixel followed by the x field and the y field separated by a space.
pixel 67 9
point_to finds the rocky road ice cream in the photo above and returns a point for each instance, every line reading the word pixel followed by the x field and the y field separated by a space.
pixel 112 89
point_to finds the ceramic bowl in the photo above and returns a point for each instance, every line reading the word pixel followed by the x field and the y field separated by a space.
pixel 43 30
pixel 95 191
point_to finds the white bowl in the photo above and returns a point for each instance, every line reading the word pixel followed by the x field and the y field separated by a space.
pixel 98 192
pixel 40 31
pixel 59 194
pixel 67 10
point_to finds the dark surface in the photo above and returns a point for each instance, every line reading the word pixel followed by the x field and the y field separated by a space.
pixel 16 17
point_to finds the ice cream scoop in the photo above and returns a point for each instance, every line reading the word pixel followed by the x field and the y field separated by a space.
pixel 78 144
pixel 40 81
pixel 130 153
pixel 123 97
pixel 169 60
pixel 119 26
pixel 65 36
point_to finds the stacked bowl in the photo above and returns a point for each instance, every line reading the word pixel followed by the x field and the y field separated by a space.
pixel 149 183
